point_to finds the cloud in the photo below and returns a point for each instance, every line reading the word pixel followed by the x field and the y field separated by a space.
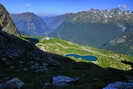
pixel 123 6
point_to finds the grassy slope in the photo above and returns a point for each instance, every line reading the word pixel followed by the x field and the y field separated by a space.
pixel 105 58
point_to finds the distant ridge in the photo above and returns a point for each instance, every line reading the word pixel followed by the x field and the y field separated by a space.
pixel 29 23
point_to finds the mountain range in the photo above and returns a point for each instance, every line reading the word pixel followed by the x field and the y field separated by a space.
pixel 94 27
pixel 98 28
pixel 37 63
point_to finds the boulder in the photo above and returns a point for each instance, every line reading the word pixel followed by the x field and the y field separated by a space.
pixel 62 80
pixel 15 83
pixel 120 85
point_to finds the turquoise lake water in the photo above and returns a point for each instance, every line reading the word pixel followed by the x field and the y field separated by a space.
pixel 89 58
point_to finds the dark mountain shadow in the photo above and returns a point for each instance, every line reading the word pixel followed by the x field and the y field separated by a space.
pixel 128 63
pixel 17 57
pixel 93 76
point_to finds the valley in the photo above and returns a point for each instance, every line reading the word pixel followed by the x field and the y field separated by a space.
pixel 95 28
pixel 83 50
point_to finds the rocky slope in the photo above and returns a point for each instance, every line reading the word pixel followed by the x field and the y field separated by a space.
pixel 30 24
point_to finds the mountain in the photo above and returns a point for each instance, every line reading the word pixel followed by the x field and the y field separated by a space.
pixel 37 64
pixel 30 24
pixel 94 27
pixel 6 22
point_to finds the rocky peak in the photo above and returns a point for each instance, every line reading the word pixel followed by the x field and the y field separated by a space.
pixel 6 23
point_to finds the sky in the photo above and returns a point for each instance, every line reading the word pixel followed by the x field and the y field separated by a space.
pixel 49 7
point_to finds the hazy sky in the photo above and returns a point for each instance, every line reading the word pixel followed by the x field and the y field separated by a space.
pixel 62 6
